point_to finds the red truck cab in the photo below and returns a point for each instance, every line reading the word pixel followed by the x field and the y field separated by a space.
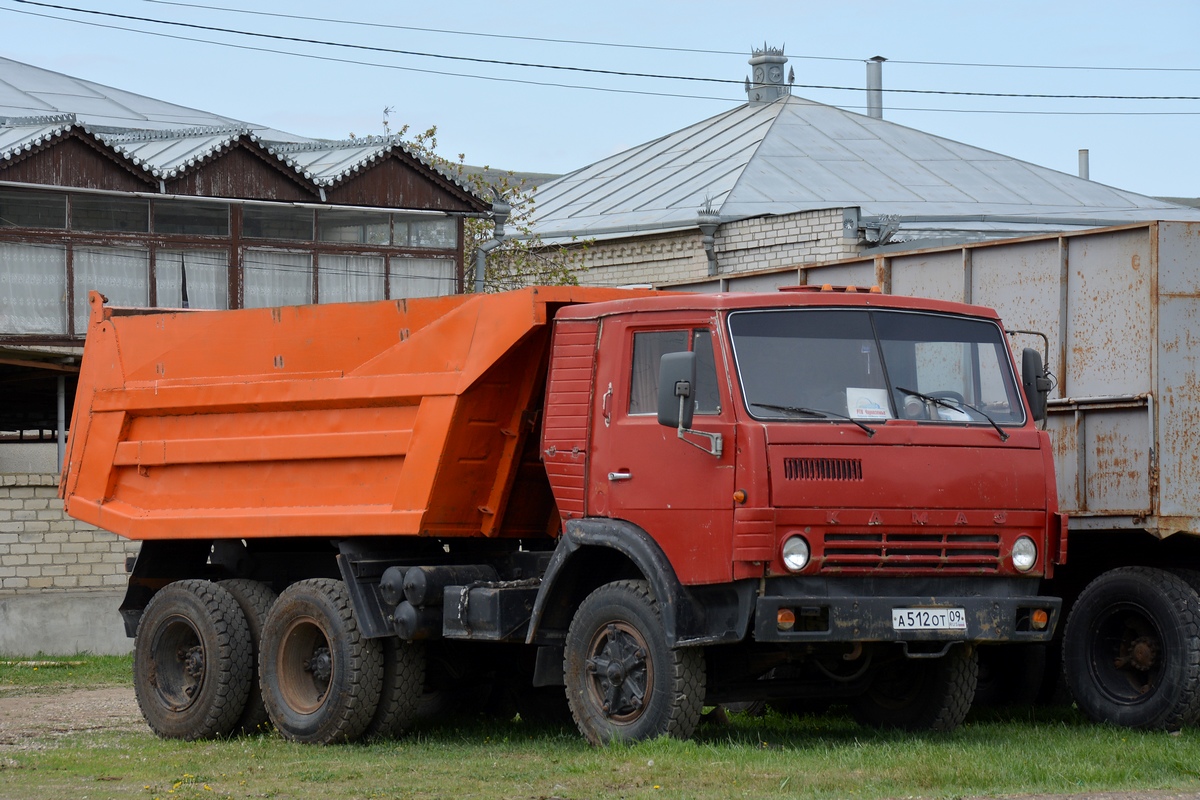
pixel 853 471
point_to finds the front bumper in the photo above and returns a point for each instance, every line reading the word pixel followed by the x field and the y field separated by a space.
pixel 869 618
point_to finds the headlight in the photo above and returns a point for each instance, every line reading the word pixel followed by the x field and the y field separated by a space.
pixel 1024 554
pixel 795 553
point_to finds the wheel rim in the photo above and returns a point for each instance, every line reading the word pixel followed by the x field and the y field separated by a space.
pixel 620 673
pixel 178 663
pixel 304 666
pixel 1126 654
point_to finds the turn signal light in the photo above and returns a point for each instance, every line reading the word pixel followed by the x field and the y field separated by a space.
pixel 1039 619
pixel 785 619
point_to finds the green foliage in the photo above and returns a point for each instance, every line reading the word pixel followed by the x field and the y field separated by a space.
pixel 522 259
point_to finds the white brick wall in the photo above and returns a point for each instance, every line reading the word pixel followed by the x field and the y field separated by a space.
pixel 44 550
pixel 744 246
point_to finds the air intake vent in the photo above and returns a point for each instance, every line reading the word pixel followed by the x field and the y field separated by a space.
pixel 958 551
pixel 822 469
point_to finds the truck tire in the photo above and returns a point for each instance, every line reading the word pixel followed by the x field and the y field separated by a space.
pixel 320 678
pixel 920 694
pixel 1131 649
pixel 192 661
pixel 255 599
pixel 624 683
pixel 403 687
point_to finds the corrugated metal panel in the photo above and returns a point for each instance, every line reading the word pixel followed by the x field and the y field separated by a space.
pixel 166 140
pixel 795 155
pixel 27 90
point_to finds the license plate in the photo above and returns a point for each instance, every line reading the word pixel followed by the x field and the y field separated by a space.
pixel 929 619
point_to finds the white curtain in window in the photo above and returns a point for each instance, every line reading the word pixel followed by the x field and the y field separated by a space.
pixel 207 274
pixel 276 278
pixel 349 279
pixel 33 285
pixel 422 277
pixel 122 274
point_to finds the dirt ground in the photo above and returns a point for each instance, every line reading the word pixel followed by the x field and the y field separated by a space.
pixel 31 721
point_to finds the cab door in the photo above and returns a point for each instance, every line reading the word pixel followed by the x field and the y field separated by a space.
pixel 640 471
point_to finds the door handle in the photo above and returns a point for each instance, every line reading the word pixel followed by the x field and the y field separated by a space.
pixel 620 476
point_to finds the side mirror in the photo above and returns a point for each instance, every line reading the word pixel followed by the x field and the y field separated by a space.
pixel 1035 382
pixel 676 385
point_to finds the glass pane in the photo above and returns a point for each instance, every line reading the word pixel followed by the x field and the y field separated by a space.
pixel 439 232
pixel 648 350
pixel 192 219
pixel 267 222
pixel 274 278
pixel 817 364
pixel 103 213
pixel 422 277
pixel 119 273
pixel 818 361
pixel 33 287
pixel 963 362
pixel 708 396
pixel 26 209
pixel 202 274
pixel 355 227
pixel 349 279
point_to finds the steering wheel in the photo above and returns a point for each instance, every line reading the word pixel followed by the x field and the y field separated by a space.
pixel 948 395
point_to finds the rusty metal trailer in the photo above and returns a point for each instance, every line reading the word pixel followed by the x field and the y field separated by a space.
pixel 1120 310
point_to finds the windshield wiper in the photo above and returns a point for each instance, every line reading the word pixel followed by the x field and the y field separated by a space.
pixel 955 405
pixel 810 412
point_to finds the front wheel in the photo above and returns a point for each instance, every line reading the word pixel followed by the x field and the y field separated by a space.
pixel 1131 649
pixel 320 678
pixel 624 683
pixel 920 694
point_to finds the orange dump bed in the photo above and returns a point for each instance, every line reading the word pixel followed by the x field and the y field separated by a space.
pixel 387 418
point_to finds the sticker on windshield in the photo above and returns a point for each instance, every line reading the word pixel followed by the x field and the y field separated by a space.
pixel 867 404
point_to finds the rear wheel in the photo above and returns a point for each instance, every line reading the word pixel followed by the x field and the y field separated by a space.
pixel 920 694
pixel 255 600
pixel 403 686
pixel 320 678
pixel 192 661
pixel 1131 649
pixel 624 683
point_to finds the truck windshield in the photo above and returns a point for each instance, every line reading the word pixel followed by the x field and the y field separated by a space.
pixel 873 365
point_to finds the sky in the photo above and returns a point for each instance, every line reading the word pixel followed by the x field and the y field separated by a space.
pixel 375 66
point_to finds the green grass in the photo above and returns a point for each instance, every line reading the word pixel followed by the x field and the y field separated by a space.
pixel 24 674
pixel 994 754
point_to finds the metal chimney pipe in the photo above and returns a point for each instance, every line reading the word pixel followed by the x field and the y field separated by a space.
pixel 875 87
pixel 1084 166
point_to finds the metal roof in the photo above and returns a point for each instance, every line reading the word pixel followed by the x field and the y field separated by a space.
pixel 165 139
pixel 795 155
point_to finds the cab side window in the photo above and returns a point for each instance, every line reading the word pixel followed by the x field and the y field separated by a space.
pixel 648 349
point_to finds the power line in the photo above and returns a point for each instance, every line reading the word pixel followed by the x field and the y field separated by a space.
pixel 590 70
pixel 355 62
pixel 658 48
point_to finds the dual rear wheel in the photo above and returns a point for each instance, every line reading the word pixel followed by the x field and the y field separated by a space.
pixel 216 659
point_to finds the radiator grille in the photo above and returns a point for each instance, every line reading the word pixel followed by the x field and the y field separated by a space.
pixel 877 550
pixel 822 469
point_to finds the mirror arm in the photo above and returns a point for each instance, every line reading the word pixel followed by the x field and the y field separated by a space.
pixel 715 444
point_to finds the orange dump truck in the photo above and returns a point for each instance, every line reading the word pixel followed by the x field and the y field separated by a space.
pixel 657 501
